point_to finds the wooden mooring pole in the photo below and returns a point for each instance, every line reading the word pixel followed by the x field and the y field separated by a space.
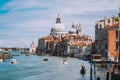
pixel 98 78
pixel 107 76
pixel 91 71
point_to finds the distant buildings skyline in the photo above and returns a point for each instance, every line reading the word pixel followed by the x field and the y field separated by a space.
pixel 22 22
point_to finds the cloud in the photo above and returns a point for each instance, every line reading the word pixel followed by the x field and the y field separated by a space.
pixel 16 42
pixel 29 20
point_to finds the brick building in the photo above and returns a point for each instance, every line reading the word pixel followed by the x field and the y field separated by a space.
pixel 107 38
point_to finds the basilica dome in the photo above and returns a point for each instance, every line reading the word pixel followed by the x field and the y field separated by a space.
pixel 58 29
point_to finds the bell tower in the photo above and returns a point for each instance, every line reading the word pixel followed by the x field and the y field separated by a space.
pixel 58 20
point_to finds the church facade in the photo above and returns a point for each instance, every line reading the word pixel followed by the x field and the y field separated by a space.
pixel 63 43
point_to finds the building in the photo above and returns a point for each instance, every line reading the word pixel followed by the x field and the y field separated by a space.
pixel 75 45
pixel 107 37
pixel 44 44
pixel 2 49
pixel 32 49
pixel 63 43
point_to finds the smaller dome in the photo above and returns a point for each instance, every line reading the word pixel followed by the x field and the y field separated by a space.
pixel 73 30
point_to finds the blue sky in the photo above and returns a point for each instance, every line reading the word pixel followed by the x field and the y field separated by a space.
pixel 24 21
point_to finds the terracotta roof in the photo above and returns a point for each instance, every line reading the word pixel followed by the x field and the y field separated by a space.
pixel 78 44
pixel 115 25
pixel 59 40
pixel 102 20
pixel 48 38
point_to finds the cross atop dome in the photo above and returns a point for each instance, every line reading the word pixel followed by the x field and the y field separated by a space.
pixel 58 20
pixel 58 15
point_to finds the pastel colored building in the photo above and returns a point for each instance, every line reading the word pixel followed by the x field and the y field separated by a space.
pixel 32 49
pixel 107 38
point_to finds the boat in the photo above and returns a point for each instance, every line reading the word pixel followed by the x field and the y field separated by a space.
pixel 1 60
pixel 13 61
pixel 96 57
pixel 64 62
pixel 45 59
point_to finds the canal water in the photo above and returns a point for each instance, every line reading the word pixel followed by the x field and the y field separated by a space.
pixel 34 68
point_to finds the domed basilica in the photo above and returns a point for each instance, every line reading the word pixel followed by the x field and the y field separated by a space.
pixel 58 29
pixel 61 42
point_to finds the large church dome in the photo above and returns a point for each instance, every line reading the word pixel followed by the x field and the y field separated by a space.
pixel 58 29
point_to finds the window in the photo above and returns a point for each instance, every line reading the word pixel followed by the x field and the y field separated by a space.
pixel 106 46
pixel 116 45
pixel 99 46
pixel 117 32
pixel 108 21
pixel 100 26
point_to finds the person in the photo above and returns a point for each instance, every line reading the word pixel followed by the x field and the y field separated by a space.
pixel 83 70
pixel 83 67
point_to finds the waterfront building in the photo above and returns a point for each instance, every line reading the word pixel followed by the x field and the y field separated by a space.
pixel 9 49
pixel 62 43
pixel 107 37
pixel 32 49
pixel 2 49
pixel 44 44
pixel 76 45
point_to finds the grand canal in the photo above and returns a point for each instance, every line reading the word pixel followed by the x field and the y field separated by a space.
pixel 34 68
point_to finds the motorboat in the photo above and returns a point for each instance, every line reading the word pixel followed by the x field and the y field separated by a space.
pixel 64 62
pixel 45 59
pixel 13 61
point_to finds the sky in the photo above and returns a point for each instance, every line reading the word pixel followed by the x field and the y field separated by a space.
pixel 24 21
